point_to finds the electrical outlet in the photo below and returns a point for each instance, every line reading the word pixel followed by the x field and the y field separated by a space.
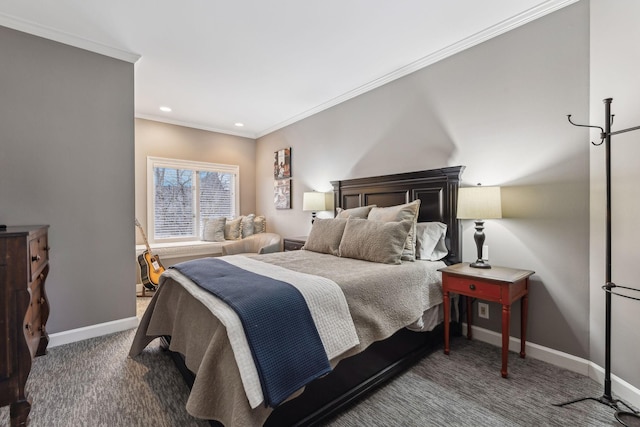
pixel 485 252
pixel 483 310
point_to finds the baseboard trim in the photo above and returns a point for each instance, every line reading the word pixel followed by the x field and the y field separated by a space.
pixel 619 387
pixel 93 331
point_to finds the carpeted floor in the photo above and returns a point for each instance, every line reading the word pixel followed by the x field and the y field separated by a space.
pixel 94 383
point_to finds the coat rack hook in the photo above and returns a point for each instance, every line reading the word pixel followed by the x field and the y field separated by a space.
pixel 602 132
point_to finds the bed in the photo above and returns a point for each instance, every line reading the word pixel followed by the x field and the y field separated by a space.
pixel 199 341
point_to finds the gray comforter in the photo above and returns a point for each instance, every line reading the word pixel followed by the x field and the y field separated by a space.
pixel 382 299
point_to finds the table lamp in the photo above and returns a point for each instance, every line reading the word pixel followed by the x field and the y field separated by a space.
pixel 315 201
pixel 479 203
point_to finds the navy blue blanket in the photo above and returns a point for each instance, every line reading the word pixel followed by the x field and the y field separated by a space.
pixel 282 336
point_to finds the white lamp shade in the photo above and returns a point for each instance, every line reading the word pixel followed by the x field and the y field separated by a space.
pixel 316 201
pixel 479 203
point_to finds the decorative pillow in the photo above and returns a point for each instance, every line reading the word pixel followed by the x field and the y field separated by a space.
pixel 246 225
pixel 213 229
pixel 259 225
pixel 325 235
pixel 374 241
pixel 430 241
pixel 361 212
pixel 406 212
pixel 232 229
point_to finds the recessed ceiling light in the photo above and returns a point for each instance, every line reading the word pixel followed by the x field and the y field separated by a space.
pixel 239 124
pixel 165 109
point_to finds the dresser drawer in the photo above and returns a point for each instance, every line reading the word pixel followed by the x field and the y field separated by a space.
pixel 38 254
pixel 33 333
pixel 4 253
pixel 473 288
pixel 36 301
pixel 33 323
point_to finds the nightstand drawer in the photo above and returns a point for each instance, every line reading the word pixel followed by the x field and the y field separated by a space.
pixel 473 288
pixel 294 243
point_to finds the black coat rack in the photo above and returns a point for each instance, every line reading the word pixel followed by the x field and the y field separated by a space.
pixel 630 417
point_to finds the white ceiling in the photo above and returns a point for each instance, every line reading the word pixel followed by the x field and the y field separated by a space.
pixel 266 63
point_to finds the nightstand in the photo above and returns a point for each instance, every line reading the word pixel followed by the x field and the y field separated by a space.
pixel 294 243
pixel 497 284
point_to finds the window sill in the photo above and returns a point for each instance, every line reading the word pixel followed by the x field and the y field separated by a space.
pixel 183 249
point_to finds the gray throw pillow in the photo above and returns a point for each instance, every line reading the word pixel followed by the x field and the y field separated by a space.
pixel 246 225
pixel 213 230
pixel 325 235
pixel 405 212
pixel 374 241
pixel 361 212
pixel 232 229
pixel 259 225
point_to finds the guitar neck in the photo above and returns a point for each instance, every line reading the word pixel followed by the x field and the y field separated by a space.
pixel 144 236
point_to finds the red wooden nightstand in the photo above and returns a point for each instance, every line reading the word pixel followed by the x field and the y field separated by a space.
pixel 497 284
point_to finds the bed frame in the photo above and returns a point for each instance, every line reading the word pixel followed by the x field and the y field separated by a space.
pixel 437 190
pixel 355 376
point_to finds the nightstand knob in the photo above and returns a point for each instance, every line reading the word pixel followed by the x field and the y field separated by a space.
pixel 472 287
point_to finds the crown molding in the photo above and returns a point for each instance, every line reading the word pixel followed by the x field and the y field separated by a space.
pixel 482 36
pixel 65 38
pixel 160 119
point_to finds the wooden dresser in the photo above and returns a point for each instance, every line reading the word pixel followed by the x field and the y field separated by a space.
pixel 24 310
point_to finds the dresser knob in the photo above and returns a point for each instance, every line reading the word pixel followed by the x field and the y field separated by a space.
pixel 35 258
pixel 472 287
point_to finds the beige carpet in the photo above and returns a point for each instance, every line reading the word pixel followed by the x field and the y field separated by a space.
pixel 94 383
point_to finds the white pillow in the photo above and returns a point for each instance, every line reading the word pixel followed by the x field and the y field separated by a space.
pixel 430 243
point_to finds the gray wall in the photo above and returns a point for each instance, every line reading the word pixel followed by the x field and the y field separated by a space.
pixel 500 109
pixel 615 64
pixel 66 159
pixel 177 142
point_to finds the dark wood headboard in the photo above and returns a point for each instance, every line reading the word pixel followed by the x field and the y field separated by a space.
pixel 437 190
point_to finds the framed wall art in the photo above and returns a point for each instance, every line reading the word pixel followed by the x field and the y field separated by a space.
pixel 282 193
pixel 282 164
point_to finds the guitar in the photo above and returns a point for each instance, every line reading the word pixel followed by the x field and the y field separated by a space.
pixel 150 266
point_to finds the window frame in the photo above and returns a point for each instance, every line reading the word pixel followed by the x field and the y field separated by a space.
pixel 197 166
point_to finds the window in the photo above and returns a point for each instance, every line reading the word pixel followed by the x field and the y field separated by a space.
pixel 182 194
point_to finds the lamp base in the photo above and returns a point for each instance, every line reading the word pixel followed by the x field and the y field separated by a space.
pixel 480 264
